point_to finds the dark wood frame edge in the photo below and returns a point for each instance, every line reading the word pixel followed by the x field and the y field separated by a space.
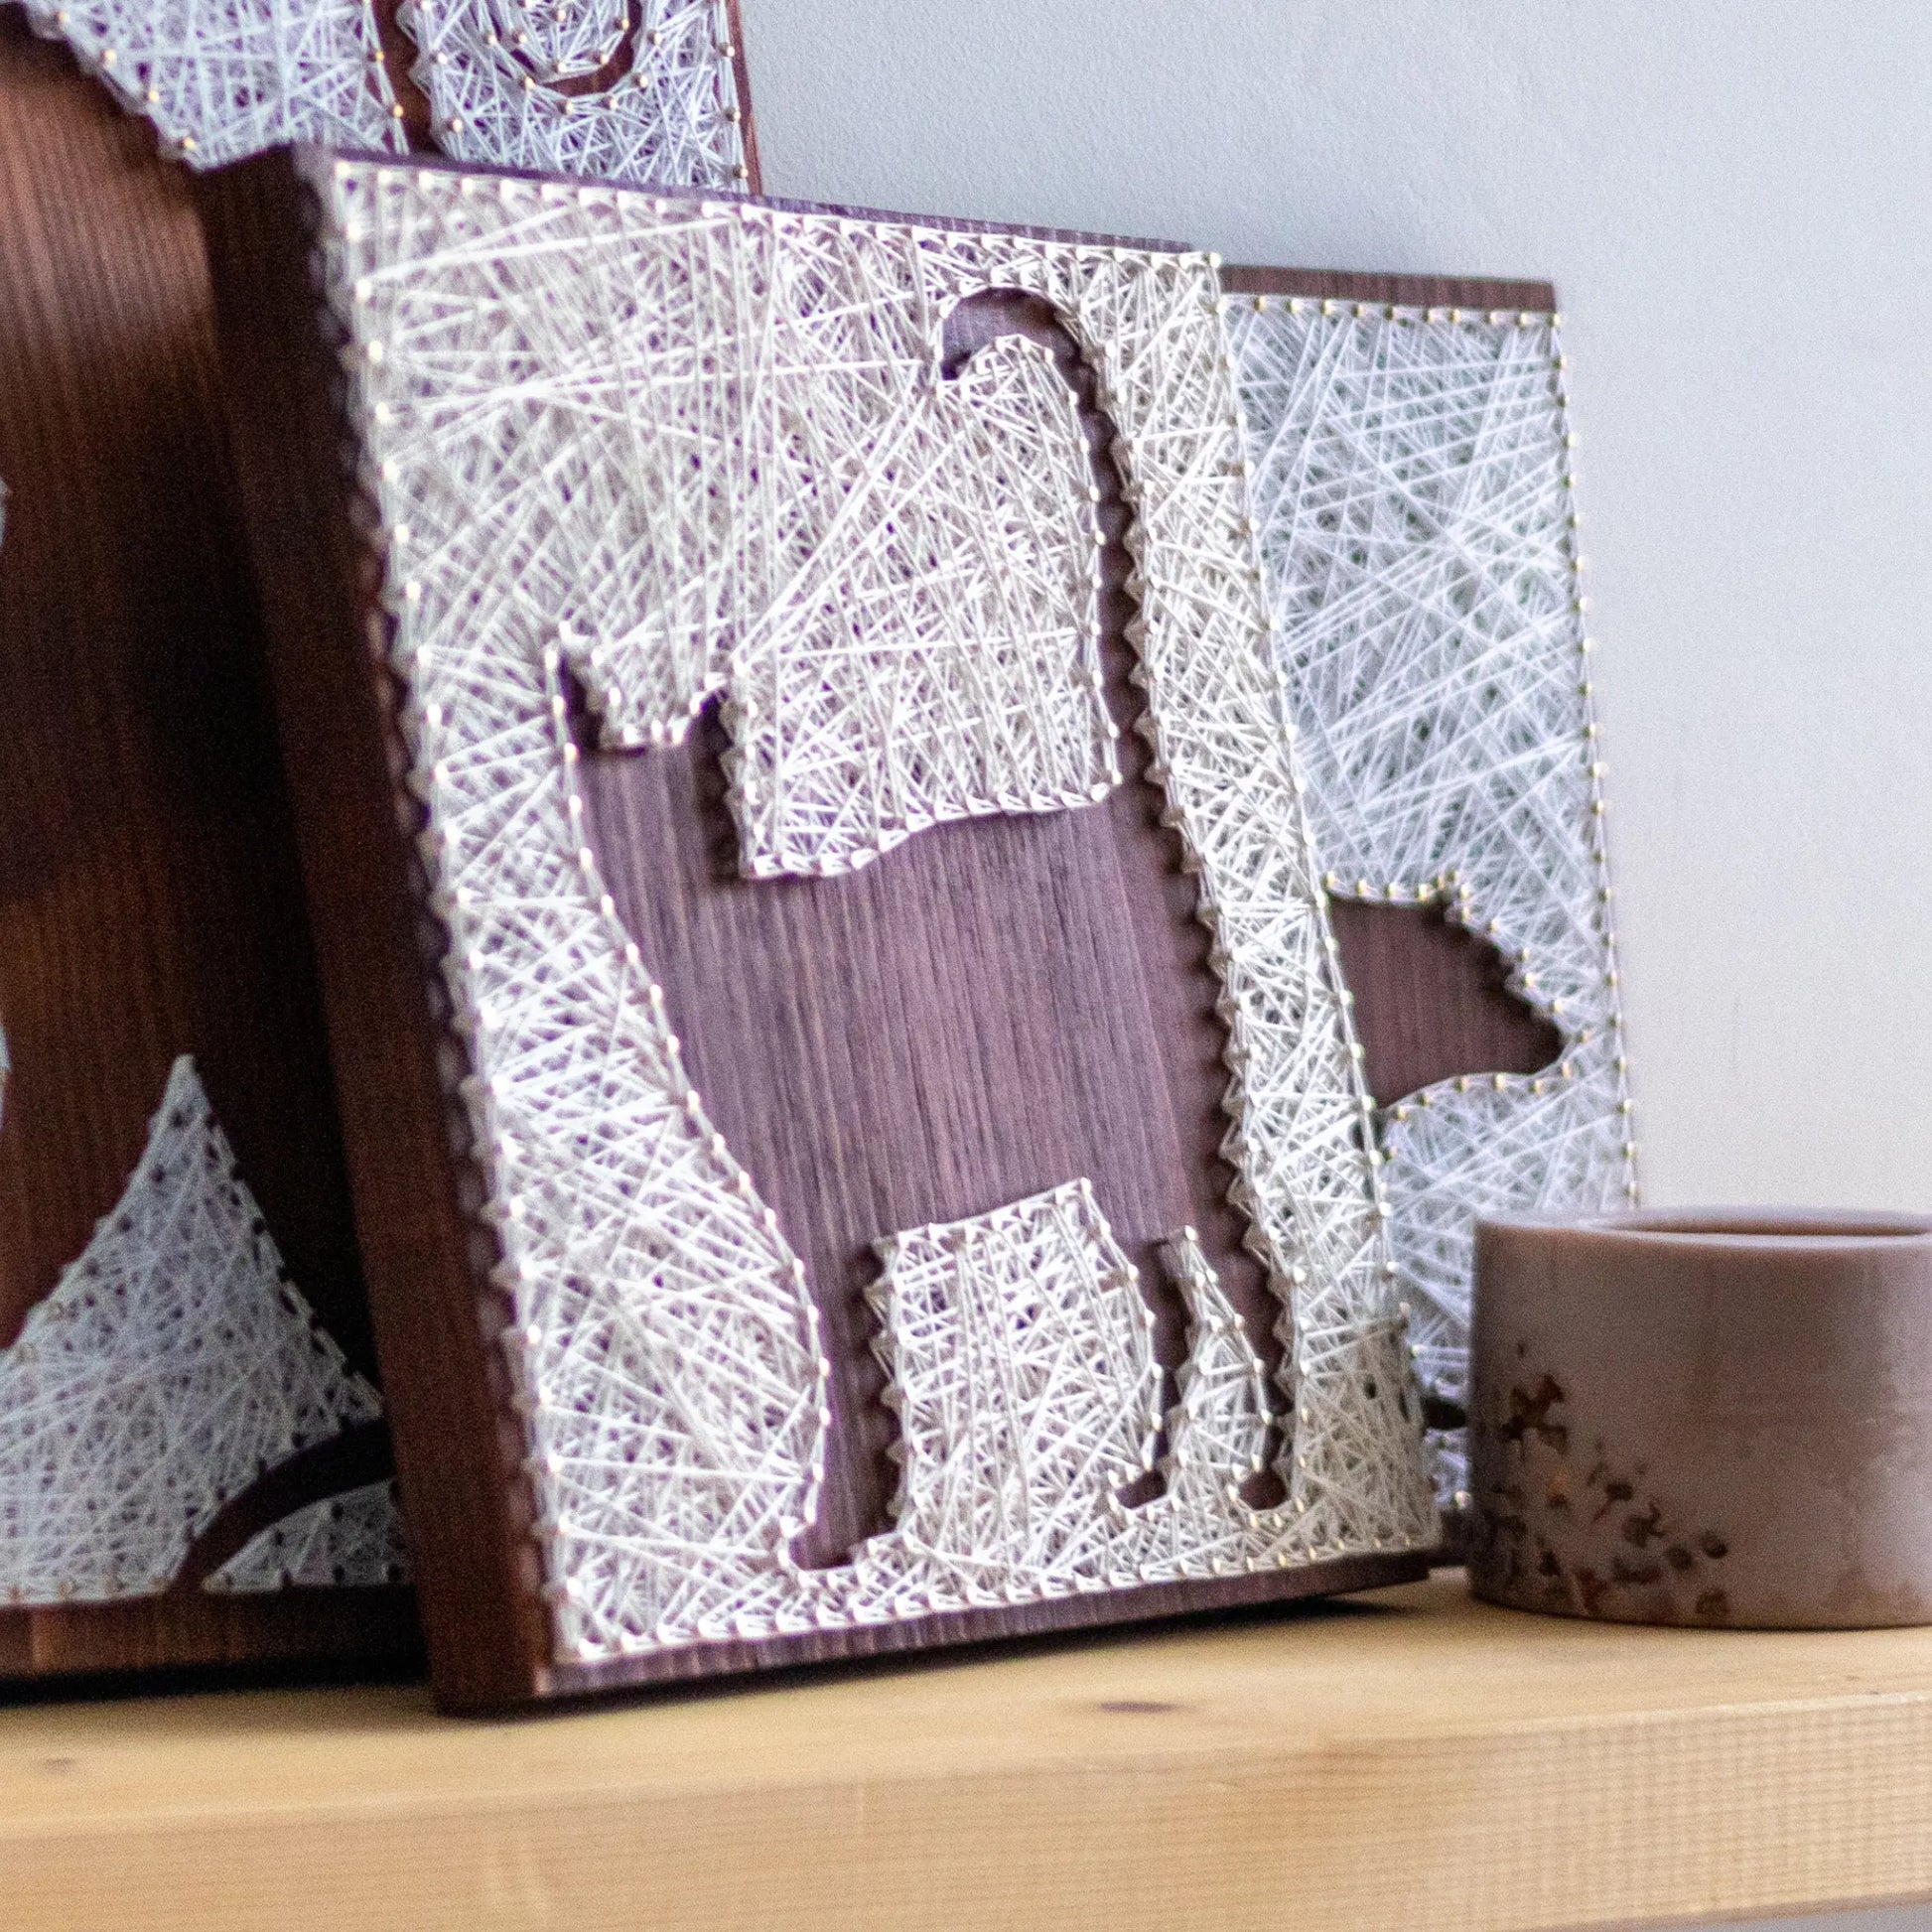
pixel 1110 1608
pixel 742 81
pixel 1397 290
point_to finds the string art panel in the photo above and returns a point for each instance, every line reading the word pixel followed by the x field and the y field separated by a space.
pixel 185 1349
pixel 880 1088
pixel 353 1537
pixel 173 1365
pixel 650 90
pixel 1414 494
pixel 234 78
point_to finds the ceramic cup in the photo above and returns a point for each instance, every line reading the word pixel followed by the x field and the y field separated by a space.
pixel 1718 1417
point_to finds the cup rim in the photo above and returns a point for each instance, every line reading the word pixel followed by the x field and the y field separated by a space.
pixel 1797 1230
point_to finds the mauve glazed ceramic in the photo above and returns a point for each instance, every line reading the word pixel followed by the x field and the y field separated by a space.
pixel 1718 1417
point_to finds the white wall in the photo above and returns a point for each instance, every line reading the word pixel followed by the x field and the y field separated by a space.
pixel 1736 204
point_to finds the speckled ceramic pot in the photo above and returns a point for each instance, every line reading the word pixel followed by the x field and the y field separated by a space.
pixel 1715 1418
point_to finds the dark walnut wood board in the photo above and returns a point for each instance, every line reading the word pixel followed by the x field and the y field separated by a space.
pixel 149 899
pixel 1046 1047
pixel 146 903
pixel 150 903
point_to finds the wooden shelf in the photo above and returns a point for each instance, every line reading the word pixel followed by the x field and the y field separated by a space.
pixel 1407 1759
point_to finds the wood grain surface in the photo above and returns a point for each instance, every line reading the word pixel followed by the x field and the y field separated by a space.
pixel 1407 290
pixel 995 1008
pixel 1411 1760
pixel 150 903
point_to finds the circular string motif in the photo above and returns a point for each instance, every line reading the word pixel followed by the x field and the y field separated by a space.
pixel 507 82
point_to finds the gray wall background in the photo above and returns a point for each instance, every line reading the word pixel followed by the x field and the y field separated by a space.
pixel 1736 204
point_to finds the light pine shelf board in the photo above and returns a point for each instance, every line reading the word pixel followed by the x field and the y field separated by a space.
pixel 1406 1759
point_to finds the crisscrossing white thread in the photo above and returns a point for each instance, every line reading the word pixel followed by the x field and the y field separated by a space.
pixel 224 79
pixel 1017 1346
pixel 172 1366
pixel 220 79
pixel 1417 509
pixel 489 68
pixel 565 399
pixel 355 1539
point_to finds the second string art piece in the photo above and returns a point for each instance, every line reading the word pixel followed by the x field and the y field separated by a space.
pixel 884 1088
pixel 1416 500
pixel 633 89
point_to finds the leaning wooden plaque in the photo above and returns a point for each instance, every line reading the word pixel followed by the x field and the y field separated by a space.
pixel 194 1465
pixel 857 1139
pixel 1413 496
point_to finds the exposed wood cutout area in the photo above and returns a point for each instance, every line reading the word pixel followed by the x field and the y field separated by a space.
pixel 1433 1002
pixel 1433 999
pixel 992 1008
pixel 607 73
pixel 1096 1057
pixel 149 899
pixel 400 55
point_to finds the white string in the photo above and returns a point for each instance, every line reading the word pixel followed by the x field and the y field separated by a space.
pixel 172 1364
pixel 487 67
pixel 1018 1355
pixel 220 79
pixel 224 79
pixel 1416 498
pixel 591 419
pixel 926 639
pixel 352 1541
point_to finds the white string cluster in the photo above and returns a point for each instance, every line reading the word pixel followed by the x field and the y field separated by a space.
pixel 220 79
pixel 1216 1439
pixel 1018 1347
pixel 924 644
pixel 1414 486
pixel 1019 1358
pixel 354 1539
pixel 491 66
pixel 551 385
pixel 224 79
pixel 172 1364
